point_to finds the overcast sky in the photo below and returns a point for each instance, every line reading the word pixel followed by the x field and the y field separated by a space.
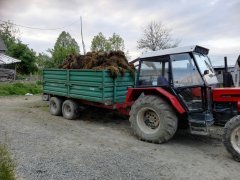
pixel 214 24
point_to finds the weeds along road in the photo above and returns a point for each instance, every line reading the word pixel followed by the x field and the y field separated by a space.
pixel 100 145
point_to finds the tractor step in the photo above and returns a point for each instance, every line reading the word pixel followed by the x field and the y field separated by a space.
pixel 199 123
pixel 198 128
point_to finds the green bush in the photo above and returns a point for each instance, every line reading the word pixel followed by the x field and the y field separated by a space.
pixel 39 82
pixel 21 77
pixel 19 88
pixel 6 164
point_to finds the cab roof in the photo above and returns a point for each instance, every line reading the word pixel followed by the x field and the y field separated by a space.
pixel 177 50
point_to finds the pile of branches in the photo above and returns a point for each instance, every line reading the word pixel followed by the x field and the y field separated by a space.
pixel 115 61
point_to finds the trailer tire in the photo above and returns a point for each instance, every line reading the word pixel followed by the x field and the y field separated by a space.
pixel 153 119
pixel 231 137
pixel 55 106
pixel 70 109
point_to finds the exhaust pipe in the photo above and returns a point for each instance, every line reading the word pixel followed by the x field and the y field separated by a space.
pixel 227 77
pixel 225 64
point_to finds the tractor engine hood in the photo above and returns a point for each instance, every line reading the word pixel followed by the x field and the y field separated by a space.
pixel 230 95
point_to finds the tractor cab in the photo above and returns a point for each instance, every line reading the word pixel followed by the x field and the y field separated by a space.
pixel 187 73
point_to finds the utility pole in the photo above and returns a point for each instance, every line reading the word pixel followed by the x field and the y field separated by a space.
pixel 83 45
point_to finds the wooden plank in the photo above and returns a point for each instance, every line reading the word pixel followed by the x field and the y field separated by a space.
pixel 7 74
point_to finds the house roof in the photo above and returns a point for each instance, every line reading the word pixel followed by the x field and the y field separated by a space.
pixel 175 51
pixel 218 60
pixel 2 45
pixel 4 59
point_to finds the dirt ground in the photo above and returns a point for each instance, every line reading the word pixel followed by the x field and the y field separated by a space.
pixel 100 145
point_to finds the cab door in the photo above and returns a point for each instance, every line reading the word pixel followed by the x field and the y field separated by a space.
pixel 188 82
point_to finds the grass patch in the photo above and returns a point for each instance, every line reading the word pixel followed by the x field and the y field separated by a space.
pixel 18 88
pixel 6 164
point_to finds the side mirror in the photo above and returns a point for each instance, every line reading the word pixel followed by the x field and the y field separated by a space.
pixel 206 72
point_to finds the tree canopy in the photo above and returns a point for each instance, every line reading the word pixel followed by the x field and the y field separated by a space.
pixel 101 43
pixel 64 46
pixel 155 37
pixel 44 61
pixel 9 33
pixel 116 42
pixel 16 49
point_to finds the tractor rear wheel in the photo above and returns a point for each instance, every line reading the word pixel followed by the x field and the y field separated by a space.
pixel 70 109
pixel 55 106
pixel 153 119
pixel 231 137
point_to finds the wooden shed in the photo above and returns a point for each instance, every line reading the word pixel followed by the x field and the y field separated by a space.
pixel 7 64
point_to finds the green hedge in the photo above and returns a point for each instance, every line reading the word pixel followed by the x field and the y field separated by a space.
pixel 7 89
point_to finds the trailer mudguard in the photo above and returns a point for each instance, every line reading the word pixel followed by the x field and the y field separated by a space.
pixel 134 93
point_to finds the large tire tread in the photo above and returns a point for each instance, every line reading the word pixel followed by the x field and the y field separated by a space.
pixel 228 128
pixel 58 110
pixel 170 124
pixel 74 112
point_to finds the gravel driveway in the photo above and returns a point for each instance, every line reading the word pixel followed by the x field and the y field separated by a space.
pixel 100 145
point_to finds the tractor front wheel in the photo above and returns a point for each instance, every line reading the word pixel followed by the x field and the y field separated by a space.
pixel 231 137
pixel 153 119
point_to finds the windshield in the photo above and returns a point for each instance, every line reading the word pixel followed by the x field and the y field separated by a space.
pixel 205 65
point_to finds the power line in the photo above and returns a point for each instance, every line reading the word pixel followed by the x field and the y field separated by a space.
pixel 43 29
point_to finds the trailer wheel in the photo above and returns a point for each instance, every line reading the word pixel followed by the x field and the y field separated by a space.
pixel 70 109
pixel 153 119
pixel 231 137
pixel 55 106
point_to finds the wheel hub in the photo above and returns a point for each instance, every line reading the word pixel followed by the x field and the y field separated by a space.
pixel 67 109
pixel 148 120
pixel 151 119
pixel 235 139
pixel 53 104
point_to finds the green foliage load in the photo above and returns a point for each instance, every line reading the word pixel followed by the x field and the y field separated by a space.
pixel 6 164
pixel 115 61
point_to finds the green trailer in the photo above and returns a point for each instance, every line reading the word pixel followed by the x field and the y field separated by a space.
pixel 90 85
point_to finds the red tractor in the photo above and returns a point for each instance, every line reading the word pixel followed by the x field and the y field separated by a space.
pixel 178 88
pixel 175 88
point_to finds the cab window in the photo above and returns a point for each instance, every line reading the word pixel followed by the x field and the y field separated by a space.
pixel 184 71
pixel 153 74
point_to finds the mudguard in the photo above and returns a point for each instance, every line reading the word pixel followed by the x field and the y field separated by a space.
pixel 134 93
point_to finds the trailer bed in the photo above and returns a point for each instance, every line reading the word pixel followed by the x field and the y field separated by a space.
pixel 91 85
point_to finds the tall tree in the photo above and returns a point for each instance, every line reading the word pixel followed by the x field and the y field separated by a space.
pixel 101 43
pixel 116 42
pixel 156 36
pixel 44 61
pixel 26 55
pixel 64 46
pixel 16 49
pixel 9 33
